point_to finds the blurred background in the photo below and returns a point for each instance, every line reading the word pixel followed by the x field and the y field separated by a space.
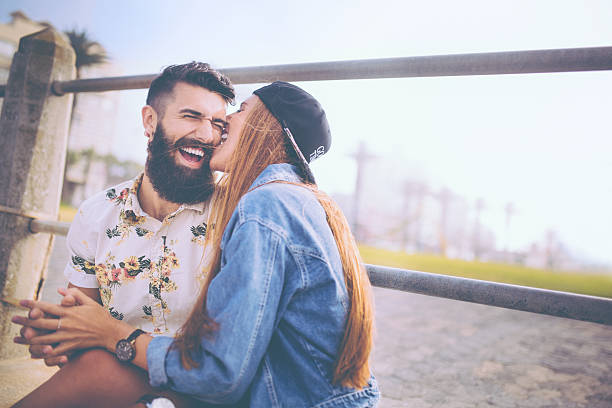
pixel 493 177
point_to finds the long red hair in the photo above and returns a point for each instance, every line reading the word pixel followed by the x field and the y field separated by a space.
pixel 262 143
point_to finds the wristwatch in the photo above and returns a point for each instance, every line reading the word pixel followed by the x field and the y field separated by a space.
pixel 125 350
pixel 161 402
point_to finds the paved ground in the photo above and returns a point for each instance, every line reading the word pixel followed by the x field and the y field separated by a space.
pixel 434 352
pixel 441 353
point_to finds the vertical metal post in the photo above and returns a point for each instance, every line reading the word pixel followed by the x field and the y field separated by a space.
pixel 33 137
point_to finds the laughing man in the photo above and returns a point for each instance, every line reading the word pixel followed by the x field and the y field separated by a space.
pixel 137 248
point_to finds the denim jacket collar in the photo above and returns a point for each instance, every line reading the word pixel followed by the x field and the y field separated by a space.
pixel 277 172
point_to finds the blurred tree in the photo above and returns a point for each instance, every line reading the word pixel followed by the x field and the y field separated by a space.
pixel 510 211
pixel 476 235
pixel 445 198
pixel 88 53
pixel 361 157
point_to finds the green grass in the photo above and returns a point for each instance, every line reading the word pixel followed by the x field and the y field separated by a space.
pixel 584 283
pixel 66 213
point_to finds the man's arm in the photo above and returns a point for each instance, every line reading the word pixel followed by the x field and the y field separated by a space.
pixel 80 241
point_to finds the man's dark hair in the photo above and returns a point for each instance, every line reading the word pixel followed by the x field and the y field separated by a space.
pixel 194 73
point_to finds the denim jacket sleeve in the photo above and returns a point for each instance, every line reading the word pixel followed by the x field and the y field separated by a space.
pixel 243 298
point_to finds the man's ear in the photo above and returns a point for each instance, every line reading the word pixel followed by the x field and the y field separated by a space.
pixel 149 121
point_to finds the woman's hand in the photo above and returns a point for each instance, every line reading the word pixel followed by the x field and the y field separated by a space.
pixel 84 325
pixel 38 350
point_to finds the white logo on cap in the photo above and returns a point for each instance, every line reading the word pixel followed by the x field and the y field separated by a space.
pixel 318 152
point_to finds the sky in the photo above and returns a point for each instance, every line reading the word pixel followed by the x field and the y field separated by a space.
pixel 540 141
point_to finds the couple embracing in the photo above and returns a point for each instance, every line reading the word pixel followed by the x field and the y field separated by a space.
pixel 188 291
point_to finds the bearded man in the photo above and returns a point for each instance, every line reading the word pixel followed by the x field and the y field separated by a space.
pixel 137 248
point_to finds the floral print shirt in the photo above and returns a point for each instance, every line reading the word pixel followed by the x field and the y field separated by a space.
pixel 149 272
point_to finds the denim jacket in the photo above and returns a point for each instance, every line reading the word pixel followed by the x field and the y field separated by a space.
pixel 281 304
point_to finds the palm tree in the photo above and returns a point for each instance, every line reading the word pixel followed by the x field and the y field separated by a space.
pixel 88 53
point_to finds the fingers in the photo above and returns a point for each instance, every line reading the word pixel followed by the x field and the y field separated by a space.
pixel 36 350
pixel 39 341
pixel 55 353
pixel 56 361
pixel 42 341
pixel 29 332
pixel 48 308
pixel 21 340
pixel 35 313
pixel 64 349
pixel 52 358
pixel 40 350
pixel 68 300
pixel 43 323
pixel 80 297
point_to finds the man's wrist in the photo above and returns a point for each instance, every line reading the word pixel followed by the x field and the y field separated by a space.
pixel 121 331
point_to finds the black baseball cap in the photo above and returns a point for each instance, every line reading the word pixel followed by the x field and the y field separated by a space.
pixel 302 118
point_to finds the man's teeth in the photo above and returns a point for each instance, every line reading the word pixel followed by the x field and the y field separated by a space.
pixel 193 150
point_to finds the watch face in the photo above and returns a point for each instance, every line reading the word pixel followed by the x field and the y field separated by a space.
pixel 162 402
pixel 124 350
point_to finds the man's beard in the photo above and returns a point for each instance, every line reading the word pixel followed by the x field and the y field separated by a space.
pixel 173 182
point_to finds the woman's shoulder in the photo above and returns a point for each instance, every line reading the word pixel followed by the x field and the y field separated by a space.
pixel 277 188
pixel 278 197
pixel 283 207
pixel 279 201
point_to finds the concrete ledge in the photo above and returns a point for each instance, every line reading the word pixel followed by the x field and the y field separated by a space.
pixel 20 376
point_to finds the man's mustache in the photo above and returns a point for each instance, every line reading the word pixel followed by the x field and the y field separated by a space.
pixel 191 142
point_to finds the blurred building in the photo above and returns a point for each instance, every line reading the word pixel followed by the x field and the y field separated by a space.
pixel 10 34
pixel 90 140
pixel 90 165
pixel 394 207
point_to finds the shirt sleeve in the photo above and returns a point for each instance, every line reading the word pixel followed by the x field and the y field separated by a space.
pixel 81 242
pixel 243 299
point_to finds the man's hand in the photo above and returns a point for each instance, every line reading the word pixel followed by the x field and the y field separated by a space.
pixel 84 324
pixel 38 351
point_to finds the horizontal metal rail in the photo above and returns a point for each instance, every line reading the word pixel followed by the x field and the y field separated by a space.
pixel 494 63
pixel 50 227
pixel 542 301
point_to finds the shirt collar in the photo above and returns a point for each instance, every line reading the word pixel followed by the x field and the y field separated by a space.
pixel 277 172
pixel 200 207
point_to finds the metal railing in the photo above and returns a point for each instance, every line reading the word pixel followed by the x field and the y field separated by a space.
pixel 553 303
pixel 494 63
pixel 528 299
pixel 50 227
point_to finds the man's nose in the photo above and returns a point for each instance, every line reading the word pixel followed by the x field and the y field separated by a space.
pixel 205 133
